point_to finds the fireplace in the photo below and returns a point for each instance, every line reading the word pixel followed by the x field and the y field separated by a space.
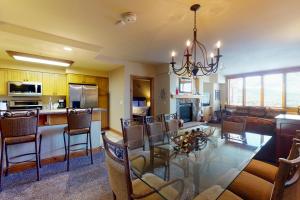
pixel 186 112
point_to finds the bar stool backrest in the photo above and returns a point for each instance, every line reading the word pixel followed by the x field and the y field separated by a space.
pixel 16 124
pixel 79 119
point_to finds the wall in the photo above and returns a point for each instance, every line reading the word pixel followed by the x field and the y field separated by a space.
pixel 116 99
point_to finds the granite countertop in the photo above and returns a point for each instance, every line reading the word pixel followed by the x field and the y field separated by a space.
pixel 63 111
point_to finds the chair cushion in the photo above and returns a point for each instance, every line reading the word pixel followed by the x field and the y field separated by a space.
pixel 216 192
pixel 249 186
pixel 76 131
pixel 140 188
pixel 20 139
pixel 263 170
pixel 138 163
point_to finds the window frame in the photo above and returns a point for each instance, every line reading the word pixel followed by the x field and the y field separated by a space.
pixel 284 73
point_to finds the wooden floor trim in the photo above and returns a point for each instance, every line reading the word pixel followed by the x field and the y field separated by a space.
pixel 55 159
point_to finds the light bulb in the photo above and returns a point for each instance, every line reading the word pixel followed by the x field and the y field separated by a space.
pixel 212 55
pixel 188 43
pixel 173 54
pixel 218 44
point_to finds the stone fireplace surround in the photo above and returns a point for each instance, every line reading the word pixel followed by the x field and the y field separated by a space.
pixel 196 106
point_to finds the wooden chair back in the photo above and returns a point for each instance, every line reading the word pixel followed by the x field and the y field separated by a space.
pixel 133 130
pixel 79 119
pixel 21 123
pixel 235 125
pixel 288 171
pixel 118 168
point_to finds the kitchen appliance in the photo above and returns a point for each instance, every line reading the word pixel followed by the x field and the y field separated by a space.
pixel 24 88
pixel 25 104
pixel 61 103
pixel 83 96
pixel 3 105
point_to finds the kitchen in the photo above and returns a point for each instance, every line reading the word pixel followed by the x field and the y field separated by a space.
pixel 52 90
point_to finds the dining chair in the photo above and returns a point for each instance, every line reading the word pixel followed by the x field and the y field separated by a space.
pixel 159 148
pixel 216 192
pixel 268 171
pixel 19 128
pixel 79 123
pixel 133 130
pixel 171 123
pixel 249 186
pixel 123 187
pixel 233 125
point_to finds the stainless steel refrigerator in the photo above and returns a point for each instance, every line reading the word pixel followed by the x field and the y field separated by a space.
pixel 83 96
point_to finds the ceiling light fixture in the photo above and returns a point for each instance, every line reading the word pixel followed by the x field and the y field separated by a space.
pixel 193 63
pixel 39 59
pixel 68 48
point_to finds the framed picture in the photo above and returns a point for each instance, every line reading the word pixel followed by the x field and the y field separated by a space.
pixel 185 85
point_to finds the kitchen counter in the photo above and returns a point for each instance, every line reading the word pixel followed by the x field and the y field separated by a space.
pixel 64 111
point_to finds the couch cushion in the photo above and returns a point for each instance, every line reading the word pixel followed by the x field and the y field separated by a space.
pixel 260 125
pixel 257 111
pixel 271 113
pixel 241 111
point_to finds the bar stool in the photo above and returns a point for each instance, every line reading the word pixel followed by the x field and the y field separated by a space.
pixel 19 128
pixel 79 123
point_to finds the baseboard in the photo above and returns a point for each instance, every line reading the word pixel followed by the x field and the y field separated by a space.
pixel 25 166
pixel 116 131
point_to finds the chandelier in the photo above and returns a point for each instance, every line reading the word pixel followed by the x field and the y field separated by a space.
pixel 192 64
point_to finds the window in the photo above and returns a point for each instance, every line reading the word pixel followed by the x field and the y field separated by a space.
pixel 185 85
pixel 292 89
pixel 253 90
pixel 273 90
pixel 236 91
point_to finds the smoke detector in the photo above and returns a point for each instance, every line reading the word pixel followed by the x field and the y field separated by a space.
pixel 126 18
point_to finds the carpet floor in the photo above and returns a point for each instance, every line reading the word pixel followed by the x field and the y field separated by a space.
pixel 84 181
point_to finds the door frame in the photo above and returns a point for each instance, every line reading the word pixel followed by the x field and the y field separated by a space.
pixel 151 79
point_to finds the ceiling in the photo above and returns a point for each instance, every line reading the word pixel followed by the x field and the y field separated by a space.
pixel 256 34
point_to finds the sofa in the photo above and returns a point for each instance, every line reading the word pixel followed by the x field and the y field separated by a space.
pixel 259 120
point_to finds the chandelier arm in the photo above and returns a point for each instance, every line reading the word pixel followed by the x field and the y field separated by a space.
pixel 204 53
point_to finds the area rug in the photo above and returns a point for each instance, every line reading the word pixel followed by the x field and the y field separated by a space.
pixel 84 181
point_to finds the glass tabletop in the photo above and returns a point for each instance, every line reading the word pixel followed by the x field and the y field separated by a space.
pixel 212 168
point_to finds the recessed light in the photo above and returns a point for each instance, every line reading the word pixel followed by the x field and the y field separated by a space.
pixel 68 48
pixel 39 59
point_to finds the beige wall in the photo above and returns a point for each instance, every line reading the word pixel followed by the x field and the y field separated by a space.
pixel 116 98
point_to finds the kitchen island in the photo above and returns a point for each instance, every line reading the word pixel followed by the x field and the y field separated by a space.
pixel 51 127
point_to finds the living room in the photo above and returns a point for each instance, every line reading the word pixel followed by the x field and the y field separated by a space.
pixel 152 99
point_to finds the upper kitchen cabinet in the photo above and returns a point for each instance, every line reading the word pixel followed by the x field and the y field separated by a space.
pixel 81 79
pixel 54 84
pixel 3 82
pixel 103 86
pixel 27 76
pixel 61 84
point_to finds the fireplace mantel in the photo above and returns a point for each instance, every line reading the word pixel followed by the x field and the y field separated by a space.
pixel 186 96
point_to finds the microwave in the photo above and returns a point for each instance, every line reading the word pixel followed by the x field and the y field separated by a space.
pixel 24 88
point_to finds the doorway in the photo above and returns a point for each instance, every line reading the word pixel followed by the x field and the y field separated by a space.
pixel 141 96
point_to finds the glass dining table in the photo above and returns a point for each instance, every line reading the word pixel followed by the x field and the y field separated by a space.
pixel 210 169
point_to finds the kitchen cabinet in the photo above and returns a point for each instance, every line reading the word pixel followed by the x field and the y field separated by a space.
pixel 103 86
pixel 3 82
pixel 82 79
pixel 20 75
pixel 54 84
